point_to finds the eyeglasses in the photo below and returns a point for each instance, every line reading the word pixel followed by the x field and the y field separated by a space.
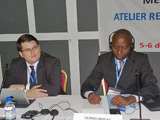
pixel 36 47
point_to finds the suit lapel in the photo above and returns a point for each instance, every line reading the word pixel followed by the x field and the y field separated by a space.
pixel 110 70
pixel 113 69
pixel 40 70
pixel 128 68
pixel 23 73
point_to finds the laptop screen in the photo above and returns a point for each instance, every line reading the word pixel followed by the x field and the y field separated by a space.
pixel 19 97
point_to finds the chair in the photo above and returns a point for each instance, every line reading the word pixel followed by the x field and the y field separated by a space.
pixel 104 86
pixel 64 80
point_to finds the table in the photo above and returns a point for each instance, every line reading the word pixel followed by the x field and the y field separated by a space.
pixel 79 104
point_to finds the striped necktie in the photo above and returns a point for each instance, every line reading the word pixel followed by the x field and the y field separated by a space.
pixel 121 64
pixel 32 74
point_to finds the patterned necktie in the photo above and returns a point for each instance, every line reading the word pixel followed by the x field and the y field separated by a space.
pixel 121 64
pixel 32 74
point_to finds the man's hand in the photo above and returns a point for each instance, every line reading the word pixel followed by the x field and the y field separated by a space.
pixel 19 86
pixel 94 99
pixel 35 92
pixel 121 100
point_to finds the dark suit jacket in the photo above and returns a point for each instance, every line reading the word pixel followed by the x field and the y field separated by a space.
pixel 48 74
pixel 105 68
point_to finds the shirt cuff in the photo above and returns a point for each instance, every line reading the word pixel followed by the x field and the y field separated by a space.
pixel 87 94
pixel 137 98
pixel 27 87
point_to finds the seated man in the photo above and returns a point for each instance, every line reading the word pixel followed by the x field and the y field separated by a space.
pixel 118 68
pixel 34 71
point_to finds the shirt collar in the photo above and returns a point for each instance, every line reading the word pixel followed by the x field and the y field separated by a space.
pixel 35 64
pixel 122 60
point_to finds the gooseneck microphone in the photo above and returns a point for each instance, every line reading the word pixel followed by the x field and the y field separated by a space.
pixel 139 102
pixel 6 70
pixel 138 87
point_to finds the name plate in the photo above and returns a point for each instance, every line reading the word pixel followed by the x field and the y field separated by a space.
pixel 86 116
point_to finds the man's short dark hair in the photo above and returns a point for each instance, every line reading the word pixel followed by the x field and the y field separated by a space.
pixel 25 38
pixel 123 31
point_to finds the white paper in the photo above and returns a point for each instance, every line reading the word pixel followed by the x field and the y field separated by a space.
pixel 92 108
pixel 85 116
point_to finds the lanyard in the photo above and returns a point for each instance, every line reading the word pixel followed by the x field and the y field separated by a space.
pixel 118 76
pixel 33 80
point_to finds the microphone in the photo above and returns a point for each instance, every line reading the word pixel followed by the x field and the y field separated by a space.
pixel 138 87
pixel 6 70
pixel 137 80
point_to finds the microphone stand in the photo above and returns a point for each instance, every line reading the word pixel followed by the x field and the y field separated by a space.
pixel 139 102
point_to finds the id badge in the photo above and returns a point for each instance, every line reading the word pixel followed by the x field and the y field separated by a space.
pixel 113 91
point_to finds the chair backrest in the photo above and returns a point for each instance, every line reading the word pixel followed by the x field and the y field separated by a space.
pixel 104 86
pixel 64 80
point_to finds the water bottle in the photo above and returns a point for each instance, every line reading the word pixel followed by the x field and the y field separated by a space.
pixel 10 110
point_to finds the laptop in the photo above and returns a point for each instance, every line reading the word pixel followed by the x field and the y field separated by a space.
pixel 153 104
pixel 19 97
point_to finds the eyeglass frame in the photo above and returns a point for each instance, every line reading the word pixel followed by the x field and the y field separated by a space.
pixel 28 50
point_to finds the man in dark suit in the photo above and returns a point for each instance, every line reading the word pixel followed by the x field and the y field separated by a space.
pixel 108 67
pixel 38 73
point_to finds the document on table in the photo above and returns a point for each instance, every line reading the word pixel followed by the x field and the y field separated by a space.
pixel 92 108
pixel 123 107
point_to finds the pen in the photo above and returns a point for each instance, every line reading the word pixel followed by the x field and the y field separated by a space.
pixel 95 91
